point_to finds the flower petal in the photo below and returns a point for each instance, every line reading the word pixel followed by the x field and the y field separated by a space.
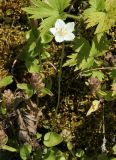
pixel 59 23
pixel 69 37
pixel 70 26
pixel 59 38
pixel 53 31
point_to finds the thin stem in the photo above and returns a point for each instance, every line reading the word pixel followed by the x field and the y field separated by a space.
pixel 72 16
pixel 73 154
pixel 59 77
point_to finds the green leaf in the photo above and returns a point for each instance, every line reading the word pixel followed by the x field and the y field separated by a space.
pixel 46 38
pixel 47 23
pixel 107 22
pixel 114 149
pixel 38 154
pixel 6 81
pixel 54 154
pixel 3 110
pixel 43 10
pixel 45 55
pixel 46 91
pixel 59 5
pixel 82 47
pixel 33 47
pixel 113 158
pixel 52 139
pixel 48 12
pixel 8 148
pixel 107 95
pixel 86 54
pixel 62 158
pixel 113 74
pixel 110 5
pixel 69 146
pixel 101 13
pixel 33 66
pixel 113 89
pixel 38 135
pixel 40 12
pixel 51 155
pixel 25 151
pixel 26 87
pixel 82 59
pixel 98 74
pixel 72 61
pixel 98 4
pixel 80 153
pixel 100 45
pixel 94 107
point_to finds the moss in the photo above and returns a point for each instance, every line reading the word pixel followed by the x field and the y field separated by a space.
pixel 13 24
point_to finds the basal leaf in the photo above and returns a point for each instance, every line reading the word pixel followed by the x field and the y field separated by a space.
pixel 51 155
pixel 33 47
pixel 46 91
pixel 26 87
pixel 52 139
pixel 80 153
pixel 6 81
pixel 25 151
pixel 9 148
pixel 33 66
pixel 46 38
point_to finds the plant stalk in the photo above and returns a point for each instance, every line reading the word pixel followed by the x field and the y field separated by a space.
pixel 72 16
pixel 59 77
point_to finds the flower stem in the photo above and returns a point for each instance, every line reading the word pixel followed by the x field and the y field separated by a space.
pixel 59 77
pixel 72 16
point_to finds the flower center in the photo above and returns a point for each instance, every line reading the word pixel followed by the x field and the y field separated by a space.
pixel 62 31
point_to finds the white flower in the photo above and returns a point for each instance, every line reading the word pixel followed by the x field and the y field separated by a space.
pixel 62 31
